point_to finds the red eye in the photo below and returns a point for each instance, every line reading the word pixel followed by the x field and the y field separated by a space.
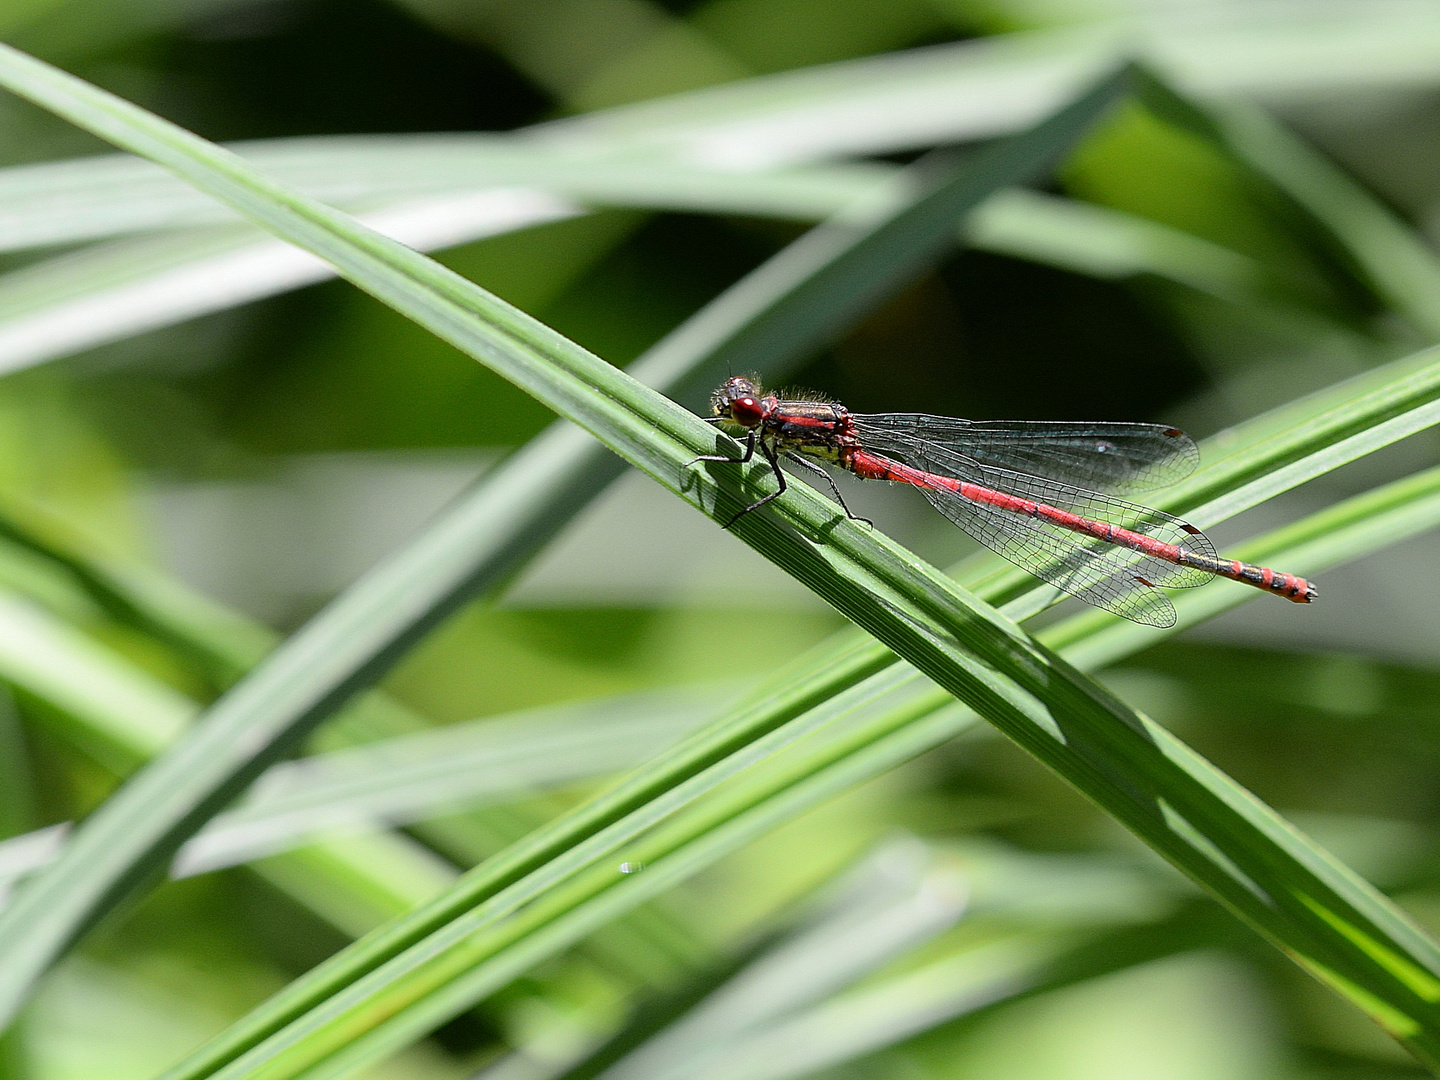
pixel 746 411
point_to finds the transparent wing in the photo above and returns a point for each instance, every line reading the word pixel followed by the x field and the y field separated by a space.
pixel 1118 458
pixel 1118 579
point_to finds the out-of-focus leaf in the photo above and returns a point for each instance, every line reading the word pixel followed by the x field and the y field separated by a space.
pixel 66 202
pixel 407 779
pixel 1030 909
pixel 901 896
pixel 92 297
pixel 123 716
pixel 24 854
pixel 1106 243
pixel 989 86
pixel 410 778
pixel 859 1023
pixel 112 291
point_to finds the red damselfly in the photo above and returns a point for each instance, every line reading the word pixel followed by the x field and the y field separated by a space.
pixel 1040 493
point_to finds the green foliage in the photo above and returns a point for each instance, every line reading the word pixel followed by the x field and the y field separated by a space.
pixel 814 860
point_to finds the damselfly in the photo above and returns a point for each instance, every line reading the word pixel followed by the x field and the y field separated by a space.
pixel 1040 493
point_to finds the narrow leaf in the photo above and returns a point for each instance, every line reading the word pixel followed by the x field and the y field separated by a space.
pixel 797 298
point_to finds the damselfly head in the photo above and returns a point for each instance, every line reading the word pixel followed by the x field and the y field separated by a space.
pixel 738 399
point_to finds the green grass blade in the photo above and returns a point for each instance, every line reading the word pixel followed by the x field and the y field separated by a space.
pixel 112 291
pixel 93 198
pixel 396 781
pixel 876 739
pixel 1308 49
pixel 898 897
pixel 410 778
pixel 1106 243
pixel 122 716
pixel 119 289
pixel 360 635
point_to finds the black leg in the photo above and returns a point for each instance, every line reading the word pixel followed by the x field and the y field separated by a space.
pixel 749 453
pixel 798 460
pixel 769 456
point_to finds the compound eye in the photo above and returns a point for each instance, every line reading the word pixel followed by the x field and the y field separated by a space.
pixel 746 411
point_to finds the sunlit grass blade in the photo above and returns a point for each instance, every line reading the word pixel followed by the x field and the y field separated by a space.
pixel 24 854
pixel 89 298
pixel 980 88
pixel 97 197
pixel 864 1021
pixel 850 748
pixel 113 291
pixel 407 778
pixel 217 643
pixel 359 635
pixel 1029 910
pixel 1105 243
pixel 1267 873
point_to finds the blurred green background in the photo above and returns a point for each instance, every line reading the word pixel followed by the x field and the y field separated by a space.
pixel 266 455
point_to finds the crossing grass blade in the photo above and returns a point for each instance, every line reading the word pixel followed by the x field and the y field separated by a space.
pixel 98 197
pixel 1304 49
pixel 115 290
pixel 877 725
pixel 832 273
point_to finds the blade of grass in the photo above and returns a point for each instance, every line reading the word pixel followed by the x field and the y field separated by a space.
pixel 24 854
pixel 864 1021
pixel 113 291
pixel 898 912
pixel 858 262
pixel 122 716
pixel 78 301
pixel 981 88
pixel 66 202
pixel 1106 243
pixel 837 756
pixel 1283 885
pixel 1040 903
pixel 409 778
